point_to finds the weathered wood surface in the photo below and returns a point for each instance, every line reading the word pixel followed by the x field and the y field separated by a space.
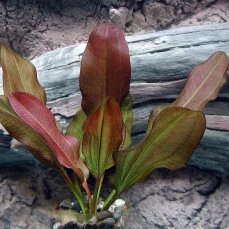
pixel 160 65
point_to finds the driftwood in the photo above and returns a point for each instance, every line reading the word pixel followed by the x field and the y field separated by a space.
pixel 160 65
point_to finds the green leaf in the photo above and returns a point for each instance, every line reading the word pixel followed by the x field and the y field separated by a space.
pixel 170 143
pixel 127 117
pixel 19 75
pixel 153 116
pixel 76 125
pixel 102 137
pixel 25 134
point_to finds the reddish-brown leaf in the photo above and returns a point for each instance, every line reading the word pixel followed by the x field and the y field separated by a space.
pixel 65 147
pixel 19 74
pixel 204 82
pixel 105 68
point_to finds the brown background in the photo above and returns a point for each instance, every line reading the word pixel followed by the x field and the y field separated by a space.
pixel 33 27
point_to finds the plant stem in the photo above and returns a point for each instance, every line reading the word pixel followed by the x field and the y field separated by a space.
pixel 96 194
pixel 76 182
pixel 75 190
pixel 85 186
pixel 110 199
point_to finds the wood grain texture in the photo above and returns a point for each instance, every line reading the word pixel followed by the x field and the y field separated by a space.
pixel 160 65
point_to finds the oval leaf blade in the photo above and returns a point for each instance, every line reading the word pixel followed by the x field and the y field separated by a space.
pixel 105 68
pixel 102 137
pixel 204 82
pixel 169 144
pixel 25 134
pixel 19 75
pixel 65 147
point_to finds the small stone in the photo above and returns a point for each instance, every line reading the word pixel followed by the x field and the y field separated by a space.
pixel 75 206
pixel 106 223
pixel 56 225
pixel 69 225
pixel 118 209
pixel 52 222
pixel 88 226
pixel 103 215
pixel 100 205
pixel 93 220
pixel 112 208
pixel 80 226
pixel 117 226
pixel 66 204
pixel 119 203
pixel 117 215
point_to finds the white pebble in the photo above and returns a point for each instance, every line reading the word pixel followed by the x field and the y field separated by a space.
pixel 100 206
pixel 56 225
pixel 119 203
pixel 112 208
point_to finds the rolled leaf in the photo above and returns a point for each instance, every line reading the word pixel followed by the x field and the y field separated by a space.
pixel 170 143
pixel 65 147
pixel 127 116
pixel 102 137
pixel 204 82
pixel 19 75
pixel 105 68
pixel 25 134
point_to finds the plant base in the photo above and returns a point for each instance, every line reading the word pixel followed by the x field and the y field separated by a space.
pixel 68 219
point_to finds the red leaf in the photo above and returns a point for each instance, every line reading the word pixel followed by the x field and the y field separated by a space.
pixel 204 82
pixel 65 147
pixel 105 68
pixel 21 131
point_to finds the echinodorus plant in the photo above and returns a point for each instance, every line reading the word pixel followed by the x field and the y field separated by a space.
pixel 99 136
